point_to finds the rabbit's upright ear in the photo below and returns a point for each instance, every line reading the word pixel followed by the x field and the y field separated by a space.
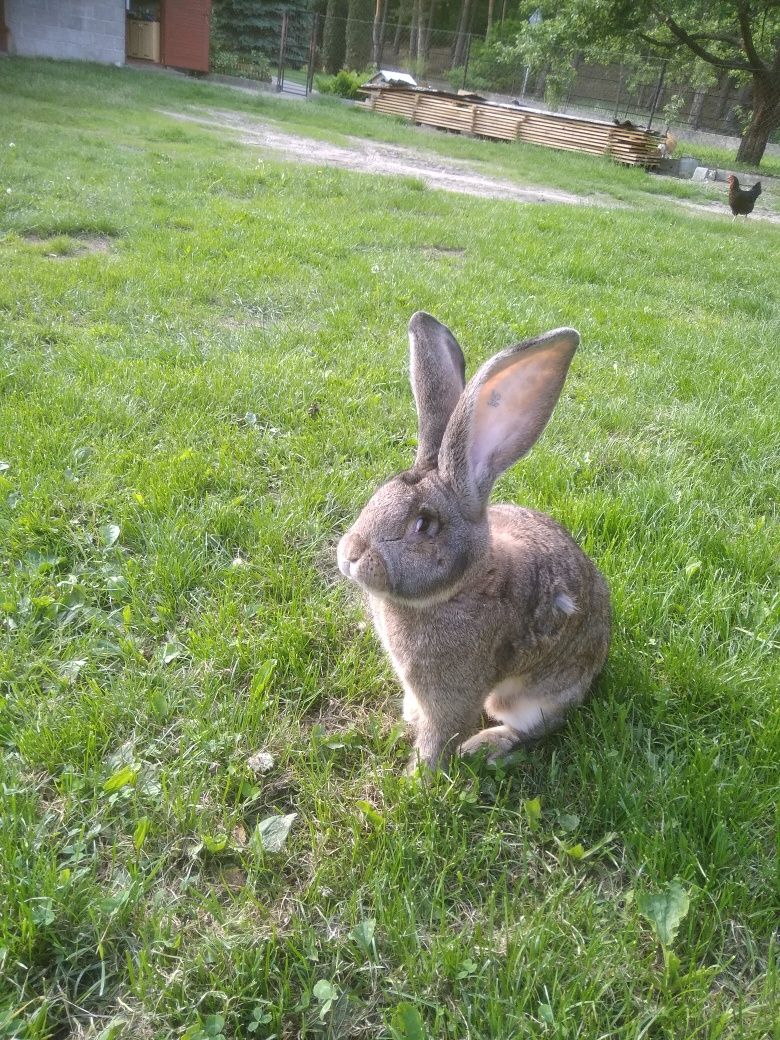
pixel 438 375
pixel 502 412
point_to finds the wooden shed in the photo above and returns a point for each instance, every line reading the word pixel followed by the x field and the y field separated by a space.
pixel 471 114
pixel 164 32
pixel 177 34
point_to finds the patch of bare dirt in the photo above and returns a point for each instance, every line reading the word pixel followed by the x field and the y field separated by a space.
pixel 372 157
pixel 449 174
pixel 716 208
pixel 78 245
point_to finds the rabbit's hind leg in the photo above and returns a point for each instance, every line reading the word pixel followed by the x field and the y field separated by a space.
pixel 525 720
pixel 499 741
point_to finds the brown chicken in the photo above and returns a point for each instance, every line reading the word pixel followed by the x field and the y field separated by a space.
pixel 742 200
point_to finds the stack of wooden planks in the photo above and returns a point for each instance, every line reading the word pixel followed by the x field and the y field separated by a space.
pixel 470 114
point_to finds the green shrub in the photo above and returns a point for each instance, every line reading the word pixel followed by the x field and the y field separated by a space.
pixel 254 65
pixel 345 83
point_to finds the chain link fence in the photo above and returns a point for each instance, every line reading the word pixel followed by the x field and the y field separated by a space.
pixel 642 89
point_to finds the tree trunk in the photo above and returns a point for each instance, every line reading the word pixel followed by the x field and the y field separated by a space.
pixel 376 37
pixel 694 117
pixel 359 30
pixel 463 29
pixel 382 29
pixel 403 11
pixel 764 120
pixel 490 19
pixel 724 89
pixel 424 35
pixel 334 39
pixel 414 30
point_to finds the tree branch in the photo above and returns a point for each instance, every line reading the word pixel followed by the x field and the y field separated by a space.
pixel 747 36
pixel 670 45
pixel 708 56
pixel 732 41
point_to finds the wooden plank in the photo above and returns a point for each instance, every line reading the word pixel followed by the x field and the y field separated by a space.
pixel 509 122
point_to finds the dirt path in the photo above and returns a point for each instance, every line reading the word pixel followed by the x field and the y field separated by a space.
pixel 372 157
pixel 447 174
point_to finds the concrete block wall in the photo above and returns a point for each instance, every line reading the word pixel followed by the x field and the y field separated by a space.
pixel 89 30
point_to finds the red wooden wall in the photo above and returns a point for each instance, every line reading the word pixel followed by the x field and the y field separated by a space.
pixel 185 34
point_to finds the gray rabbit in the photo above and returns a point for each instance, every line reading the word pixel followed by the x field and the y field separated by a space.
pixel 480 608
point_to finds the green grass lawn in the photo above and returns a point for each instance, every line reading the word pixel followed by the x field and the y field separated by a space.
pixel 202 379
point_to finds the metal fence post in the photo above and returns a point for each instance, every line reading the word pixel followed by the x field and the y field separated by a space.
pixel 658 92
pixel 466 60
pixel 619 90
pixel 282 46
pixel 312 54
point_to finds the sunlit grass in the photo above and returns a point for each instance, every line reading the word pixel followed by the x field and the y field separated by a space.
pixel 202 379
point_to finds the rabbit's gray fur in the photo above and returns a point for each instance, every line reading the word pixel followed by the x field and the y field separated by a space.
pixel 481 608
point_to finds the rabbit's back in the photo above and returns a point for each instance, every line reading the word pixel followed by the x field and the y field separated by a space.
pixel 550 589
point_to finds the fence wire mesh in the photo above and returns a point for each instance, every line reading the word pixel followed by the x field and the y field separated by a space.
pixel 642 89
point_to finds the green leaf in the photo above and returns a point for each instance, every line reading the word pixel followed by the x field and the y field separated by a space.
pixel 121 778
pixel 363 933
pixel 261 679
pixel 692 567
pixel 324 992
pixel 159 703
pixel 577 852
pixel 113 1030
pixel 193 1032
pixel 109 534
pixel 140 832
pixel 43 911
pixel 467 967
pixel 568 822
pixel 110 904
pixel 665 911
pixel 260 1017
pixel 215 843
pixel 171 651
pixel 213 1024
pixel 407 1024
pixel 546 1014
pixel 271 833
pixel 533 812
pixel 371 814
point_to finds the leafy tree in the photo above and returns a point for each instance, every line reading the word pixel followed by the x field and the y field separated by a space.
pixel 740 37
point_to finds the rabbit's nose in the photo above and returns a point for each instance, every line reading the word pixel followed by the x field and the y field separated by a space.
pixel 352 547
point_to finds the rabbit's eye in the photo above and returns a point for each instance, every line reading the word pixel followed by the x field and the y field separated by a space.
pixel 426 524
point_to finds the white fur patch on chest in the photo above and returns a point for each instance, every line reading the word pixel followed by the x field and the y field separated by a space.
pixel 381 630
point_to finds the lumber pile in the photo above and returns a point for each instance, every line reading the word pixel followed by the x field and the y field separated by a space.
pixel 471 114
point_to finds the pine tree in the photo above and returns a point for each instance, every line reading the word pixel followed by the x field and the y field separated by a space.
pixel 255 25
pixel 359 33
pixel 334 39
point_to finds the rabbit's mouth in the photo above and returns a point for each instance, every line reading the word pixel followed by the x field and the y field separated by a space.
pixel 361 563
